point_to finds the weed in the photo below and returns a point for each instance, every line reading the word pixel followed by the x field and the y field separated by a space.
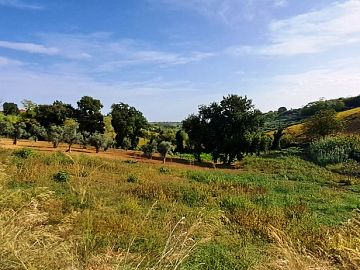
pixel 61 177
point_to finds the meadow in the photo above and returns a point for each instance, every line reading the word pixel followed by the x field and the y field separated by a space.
pixel 80 211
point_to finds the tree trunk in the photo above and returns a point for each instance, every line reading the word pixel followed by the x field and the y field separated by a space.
pixel 97 149
pixel 15 141
pixel 164 160
pixel 69 149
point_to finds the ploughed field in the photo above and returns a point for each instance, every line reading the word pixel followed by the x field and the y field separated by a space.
pixel 79 211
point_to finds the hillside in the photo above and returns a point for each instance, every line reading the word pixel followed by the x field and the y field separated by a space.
pixel 351 120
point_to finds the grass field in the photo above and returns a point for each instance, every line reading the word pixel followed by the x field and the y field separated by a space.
pixel 83 211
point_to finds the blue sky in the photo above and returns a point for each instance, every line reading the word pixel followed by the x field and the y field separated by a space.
pixel 166 57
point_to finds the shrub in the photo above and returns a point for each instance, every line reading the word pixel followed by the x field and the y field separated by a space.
pixel 61 177
pixel 331 150
pixel 133 179
pixel 164 170
pixel 24 153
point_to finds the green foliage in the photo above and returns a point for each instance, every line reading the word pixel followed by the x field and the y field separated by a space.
pixel 24 153
pixel 322 124
pixel 89 115
pixel 37 131
pixel 55 114
pixel 317 106
pixel 10 108
pixel 61 177
pixel 71 133
pixel 164 148
pixel 18 132
pixel 133 179
pixel 164 170
pixel 181 138
pixel 149 149
pixel 331 150
pixel 221 128
pixel 98 140
pixel 56 135
pixel 128 123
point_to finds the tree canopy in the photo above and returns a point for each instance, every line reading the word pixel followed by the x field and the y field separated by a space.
pixel 221 128
pixel 128 124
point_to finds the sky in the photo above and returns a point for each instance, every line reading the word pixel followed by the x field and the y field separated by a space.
pixel 167 57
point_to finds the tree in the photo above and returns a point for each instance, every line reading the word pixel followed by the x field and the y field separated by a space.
pixel 10 108
pixel 282 110
pixel 164 148
pixel 128 123
pixel 322 124
pixel 149 149
pixel 72 134
pixel 55 114
pixel 195 128
pixel 89 115
pixel 181 138
pixel 18 131
pixel 221 128
pixel 55 135
pixel 30 108
pixel 6 128
pixel 277 138
pixel 37 131
pixel 97 140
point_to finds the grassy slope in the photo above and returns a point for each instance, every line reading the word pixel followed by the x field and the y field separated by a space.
pixel 117 213
pixel 351 118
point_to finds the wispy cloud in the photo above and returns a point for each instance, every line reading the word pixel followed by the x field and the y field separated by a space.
pixel 104 53
pixel 6 62
pixel 29 47
pixel 20 4
pixel 313 32
pixel 228 11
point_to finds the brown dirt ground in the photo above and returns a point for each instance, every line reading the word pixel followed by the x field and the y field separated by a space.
pixel 111 153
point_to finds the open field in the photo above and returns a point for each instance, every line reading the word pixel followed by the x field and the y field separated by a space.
pixel 84 211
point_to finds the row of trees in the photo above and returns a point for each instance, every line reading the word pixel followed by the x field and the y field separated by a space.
pixel 60 122
pixel 228 130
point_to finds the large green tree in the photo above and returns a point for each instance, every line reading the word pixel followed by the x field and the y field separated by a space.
pixel 55 114
pixel 10 108
pixel 89 115
pixel 128 124
pixel 221 128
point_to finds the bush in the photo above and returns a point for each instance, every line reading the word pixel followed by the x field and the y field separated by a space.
pixel 164 170
pixel 332 150
pixel 133 179
pixel 61 177
pixel 24 153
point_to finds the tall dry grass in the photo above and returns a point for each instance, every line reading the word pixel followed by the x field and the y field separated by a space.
pixel 340 249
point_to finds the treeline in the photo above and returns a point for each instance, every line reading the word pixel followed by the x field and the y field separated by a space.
pixel 85 125
pixel 227 130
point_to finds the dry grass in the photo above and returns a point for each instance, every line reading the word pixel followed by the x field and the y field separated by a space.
pixel 340 249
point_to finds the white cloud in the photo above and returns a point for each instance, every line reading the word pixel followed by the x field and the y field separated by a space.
pixel 339 79
pixel 335 25
pixel 20 4
pixel 6 62
pixel 29 47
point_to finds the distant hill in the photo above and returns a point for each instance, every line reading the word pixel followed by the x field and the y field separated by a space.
pixel 350 117
pixel 292 117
